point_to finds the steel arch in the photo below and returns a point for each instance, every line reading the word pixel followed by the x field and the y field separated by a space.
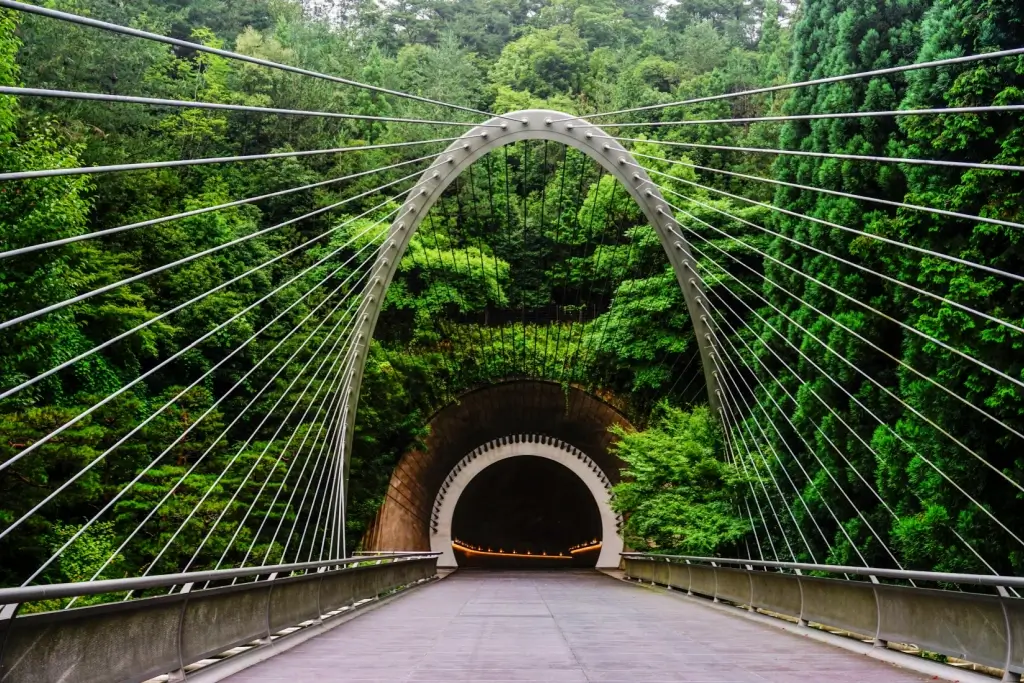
pixel 533 124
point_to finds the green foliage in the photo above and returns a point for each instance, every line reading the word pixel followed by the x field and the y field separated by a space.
pixel 544 62
pixel 532 265
pixel 678 493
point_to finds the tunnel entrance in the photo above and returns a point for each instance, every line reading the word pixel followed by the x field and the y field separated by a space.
pixel 523 512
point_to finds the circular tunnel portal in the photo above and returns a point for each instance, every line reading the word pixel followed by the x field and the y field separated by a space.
pixel 526 512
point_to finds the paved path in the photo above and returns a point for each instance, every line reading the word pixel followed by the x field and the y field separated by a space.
pixel 560 627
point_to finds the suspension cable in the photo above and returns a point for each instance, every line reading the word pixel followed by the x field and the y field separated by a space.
pixel 860 403
pixel 187 259
pixel 434 319
pixel 153 415
pixel 526 229
pixel 325 470
pixel 177 163
pixel 335 409
pixel 735 392
pixel 538 370
pixel 151 321
pixel 339 506
pixel 836 193
pixel 753 527
pixel 482 325
pixel 814 117
pixel 917 290
pixel 327 408
pixel 191 104
pixel 860 337
pixel 727 432
pixel 330 473
pixel 682 373
pixel 464 247
pixel 818 81
pixel 768 418
pixel 218 207
pixel 338 369
pixel 351 347
pixel 902 363
pixel 586 353
pixel 493 214
pixel 448 356
pixel 199 47
pixel 581 202
pixel 576 353
pixel 259 458
pixel 458 334
pixel 209 410
pixel 860 233
pixel 346 353
pixel 826 437
pixel 797 404
pixel 830 155
pixel 649 283
pixel 732 412
pixel 36 444
pixel 558 225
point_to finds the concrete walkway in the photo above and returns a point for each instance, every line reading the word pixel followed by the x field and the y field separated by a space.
pixel 560 627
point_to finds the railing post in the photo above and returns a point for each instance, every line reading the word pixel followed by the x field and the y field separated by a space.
pixel 800 584
pixel 750 580
pixel 1008 675
pixel 715 597
pixel 266 639
pixel 319 590
pixel 7 616
pixel 877 642
pixel 689 579
pixel 179 674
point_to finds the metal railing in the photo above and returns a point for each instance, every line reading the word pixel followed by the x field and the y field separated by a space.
pixel 133 640
pixel 981 628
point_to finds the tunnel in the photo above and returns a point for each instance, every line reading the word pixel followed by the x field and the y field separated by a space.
pixel 526 512
pixel 570 427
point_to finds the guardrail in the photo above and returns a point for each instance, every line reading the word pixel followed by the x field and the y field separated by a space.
pixel 137 639
pixel 985 629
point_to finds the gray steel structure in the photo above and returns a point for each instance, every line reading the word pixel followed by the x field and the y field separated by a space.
pixel 532 124
pixel 985 629
pixel 135 640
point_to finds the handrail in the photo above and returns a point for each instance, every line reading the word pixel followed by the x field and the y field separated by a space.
pixel 22 594
pixel 968 625
pixel 168 635
pixel 877 572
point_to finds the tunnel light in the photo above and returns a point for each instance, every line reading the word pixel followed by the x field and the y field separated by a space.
pixel 585 548
pixel 468 550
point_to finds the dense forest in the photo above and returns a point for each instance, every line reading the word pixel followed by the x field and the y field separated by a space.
pixel 535 264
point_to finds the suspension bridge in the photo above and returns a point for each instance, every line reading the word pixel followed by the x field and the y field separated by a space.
pixel 240 566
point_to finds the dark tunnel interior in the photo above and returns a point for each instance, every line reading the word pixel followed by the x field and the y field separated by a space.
pixel 526 512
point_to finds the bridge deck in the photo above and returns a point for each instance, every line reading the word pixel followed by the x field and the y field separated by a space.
pixel 560 627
